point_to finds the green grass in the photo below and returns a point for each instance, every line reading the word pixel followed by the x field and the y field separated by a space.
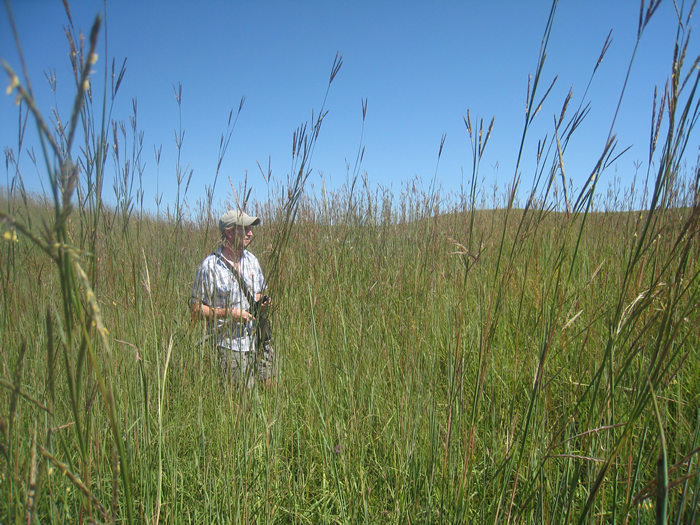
pixel 441 359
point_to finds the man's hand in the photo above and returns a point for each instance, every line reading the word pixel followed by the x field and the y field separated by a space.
pixel 242 315
pixel 263 302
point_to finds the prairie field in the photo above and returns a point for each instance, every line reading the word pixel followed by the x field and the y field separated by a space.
pixel 470 358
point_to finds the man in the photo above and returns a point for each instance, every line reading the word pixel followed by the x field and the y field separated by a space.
pixel 226 287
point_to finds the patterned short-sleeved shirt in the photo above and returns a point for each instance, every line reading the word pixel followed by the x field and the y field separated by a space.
pixel 216 286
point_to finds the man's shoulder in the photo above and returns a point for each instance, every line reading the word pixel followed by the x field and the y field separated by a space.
pixel 209 261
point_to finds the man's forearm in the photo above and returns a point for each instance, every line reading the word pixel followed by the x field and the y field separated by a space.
pixel 211 313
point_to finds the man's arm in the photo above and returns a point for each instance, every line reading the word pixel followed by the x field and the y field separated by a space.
pixel 200 310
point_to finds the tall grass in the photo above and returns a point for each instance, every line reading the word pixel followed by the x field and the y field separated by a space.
pixel 440 359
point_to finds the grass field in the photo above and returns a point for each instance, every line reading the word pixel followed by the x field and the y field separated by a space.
pixel 442 359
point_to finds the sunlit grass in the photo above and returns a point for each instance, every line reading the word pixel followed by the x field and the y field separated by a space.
pixel 441 358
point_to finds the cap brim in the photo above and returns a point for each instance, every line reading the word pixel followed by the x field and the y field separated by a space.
pixel 237 218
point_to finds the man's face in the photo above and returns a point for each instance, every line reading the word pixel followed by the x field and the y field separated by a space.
pixel 240 236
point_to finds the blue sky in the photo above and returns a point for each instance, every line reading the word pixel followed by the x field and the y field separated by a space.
pixel 420 64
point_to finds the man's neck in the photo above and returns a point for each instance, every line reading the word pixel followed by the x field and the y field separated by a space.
pixel 230 254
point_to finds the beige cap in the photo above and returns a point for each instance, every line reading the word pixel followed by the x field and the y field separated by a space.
pixel 236 218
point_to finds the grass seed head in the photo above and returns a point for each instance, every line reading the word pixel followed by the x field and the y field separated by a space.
pixel 14 82
pixel 10 236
